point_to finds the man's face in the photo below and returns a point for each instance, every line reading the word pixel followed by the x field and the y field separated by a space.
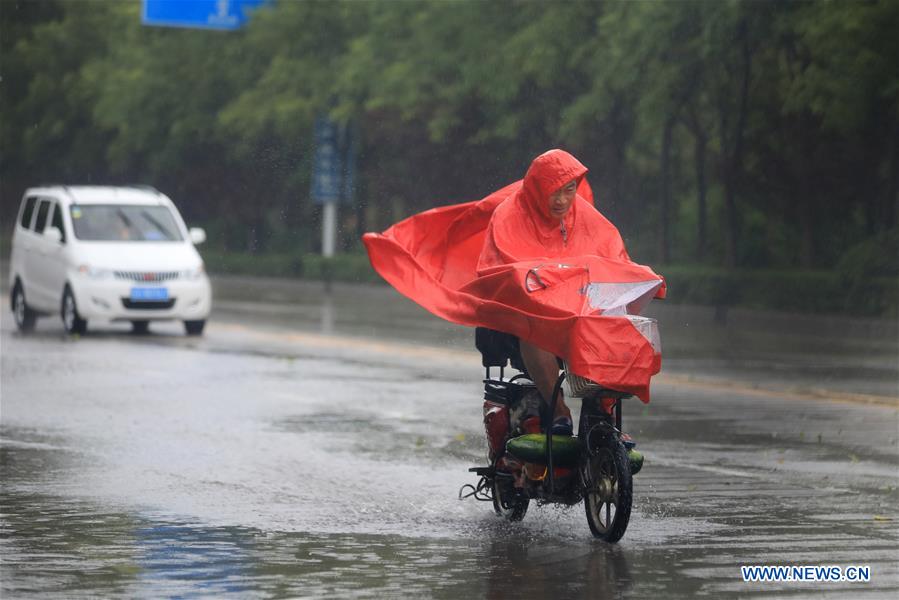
pixel 560 200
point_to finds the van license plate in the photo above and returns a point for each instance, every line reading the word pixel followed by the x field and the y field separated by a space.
pixel 149 294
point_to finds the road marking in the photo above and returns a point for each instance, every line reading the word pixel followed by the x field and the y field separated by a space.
pixel 419 351
pixel 708 468
pixel 409 349
pixel 816 394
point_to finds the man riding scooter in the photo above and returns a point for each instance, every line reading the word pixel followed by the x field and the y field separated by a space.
pixel 547 220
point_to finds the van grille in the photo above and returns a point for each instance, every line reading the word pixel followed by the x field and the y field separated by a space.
pixel 147 275
pixel 148 304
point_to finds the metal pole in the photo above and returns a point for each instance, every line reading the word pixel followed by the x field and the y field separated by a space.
pixel 549 437
pixel 329 229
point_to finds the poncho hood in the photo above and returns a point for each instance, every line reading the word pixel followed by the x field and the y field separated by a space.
pixel 546 175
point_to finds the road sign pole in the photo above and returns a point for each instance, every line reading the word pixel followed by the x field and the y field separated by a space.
pixel 329 229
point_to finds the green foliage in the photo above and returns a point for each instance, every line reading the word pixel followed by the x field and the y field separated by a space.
pixel 869 272
pixel 791 290
pixel 701 285
pixel 341 267
pixel 875 257
pixel 781 116
pixel 823 32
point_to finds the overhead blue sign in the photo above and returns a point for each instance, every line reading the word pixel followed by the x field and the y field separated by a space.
pixel 205 14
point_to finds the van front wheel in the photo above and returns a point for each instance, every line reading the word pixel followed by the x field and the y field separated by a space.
pixel 194 327
pixel 25 317
pixel 71 320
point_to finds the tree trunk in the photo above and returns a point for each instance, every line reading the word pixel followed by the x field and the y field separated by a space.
pixel 734 159
pixel 618 169
pixel 891 201
pixel 701 189
pixel 730 222
pixel 665 194
pixel 806 240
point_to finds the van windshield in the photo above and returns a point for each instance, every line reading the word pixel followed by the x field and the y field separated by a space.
pixel 124 223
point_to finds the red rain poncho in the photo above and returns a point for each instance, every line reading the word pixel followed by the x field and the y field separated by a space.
pixel 505 263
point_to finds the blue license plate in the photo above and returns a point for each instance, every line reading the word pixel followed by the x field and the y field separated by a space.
pixel 149 294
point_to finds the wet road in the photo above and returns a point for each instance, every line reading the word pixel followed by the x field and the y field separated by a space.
pixel 314 447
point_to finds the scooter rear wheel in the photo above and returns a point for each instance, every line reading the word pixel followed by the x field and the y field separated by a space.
pixel 608 491
pixel 508 502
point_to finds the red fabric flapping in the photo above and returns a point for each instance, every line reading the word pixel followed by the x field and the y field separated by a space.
pixel 566 286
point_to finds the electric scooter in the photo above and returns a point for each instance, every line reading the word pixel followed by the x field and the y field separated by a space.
pixel 596 465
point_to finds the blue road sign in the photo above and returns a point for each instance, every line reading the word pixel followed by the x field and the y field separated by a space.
pixel 326 168
pixel 205 14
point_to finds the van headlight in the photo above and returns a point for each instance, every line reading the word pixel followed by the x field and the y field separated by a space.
pixel 94 272
pixel 193 274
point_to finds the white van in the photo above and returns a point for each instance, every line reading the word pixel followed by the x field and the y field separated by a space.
pixel 107 253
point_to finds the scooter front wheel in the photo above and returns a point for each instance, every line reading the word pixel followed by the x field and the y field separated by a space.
pixel 508 502
pixel 608 491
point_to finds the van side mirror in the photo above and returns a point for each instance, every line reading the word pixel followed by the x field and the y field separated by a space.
pixel 53 234
pixel 197 235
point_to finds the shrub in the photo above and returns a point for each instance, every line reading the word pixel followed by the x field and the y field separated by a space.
pixel 792 290
pixel 842 290
pixel 343 267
